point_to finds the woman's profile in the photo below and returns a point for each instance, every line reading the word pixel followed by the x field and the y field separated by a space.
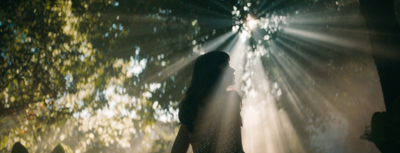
pixel 210 114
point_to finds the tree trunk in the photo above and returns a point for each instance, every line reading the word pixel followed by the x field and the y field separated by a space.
pixel 384 31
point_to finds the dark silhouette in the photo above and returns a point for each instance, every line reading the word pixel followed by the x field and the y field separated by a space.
pixel 58 149
pixel 385 129
pixel 18 148
pixel 209 114
pixel 384 31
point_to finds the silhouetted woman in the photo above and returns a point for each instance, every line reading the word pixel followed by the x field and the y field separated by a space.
pixel 209 113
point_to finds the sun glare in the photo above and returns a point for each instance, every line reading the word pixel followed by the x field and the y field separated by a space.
pixel 251 23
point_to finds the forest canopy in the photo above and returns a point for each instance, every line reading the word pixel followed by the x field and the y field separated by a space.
pixel 107 75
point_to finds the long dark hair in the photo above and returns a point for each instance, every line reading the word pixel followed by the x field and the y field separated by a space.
pixel 207 73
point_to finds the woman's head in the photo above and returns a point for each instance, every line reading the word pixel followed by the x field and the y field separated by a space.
pixel 208 69
pixel 207 75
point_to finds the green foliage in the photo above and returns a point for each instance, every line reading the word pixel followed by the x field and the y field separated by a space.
pixel 59 58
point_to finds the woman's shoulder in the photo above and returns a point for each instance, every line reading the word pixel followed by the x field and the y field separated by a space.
pixel 233 94
pixel 234 98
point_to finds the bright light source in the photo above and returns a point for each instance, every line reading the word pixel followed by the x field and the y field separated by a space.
pixel 251 23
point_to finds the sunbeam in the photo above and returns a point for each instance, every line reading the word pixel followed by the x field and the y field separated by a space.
pixel 266 128
pixel 334 40
pixel 160 75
